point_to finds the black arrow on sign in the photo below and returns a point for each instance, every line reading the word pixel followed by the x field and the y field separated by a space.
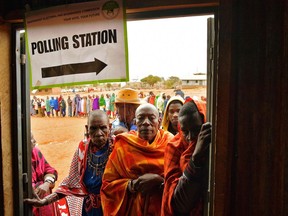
pixel 71 69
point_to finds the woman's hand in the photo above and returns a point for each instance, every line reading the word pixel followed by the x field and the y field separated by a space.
pixel 148 183
pixel 203 142
pixel 36 201
pixel 42 189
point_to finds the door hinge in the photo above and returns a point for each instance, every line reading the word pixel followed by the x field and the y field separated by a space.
pixel 211 53
pixel 25 178
pixel 23 59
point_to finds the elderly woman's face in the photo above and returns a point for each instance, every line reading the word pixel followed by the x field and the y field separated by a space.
pixel 98 129
pixel 147 121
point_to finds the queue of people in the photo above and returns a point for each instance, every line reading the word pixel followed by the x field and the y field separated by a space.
pixel 142 165
pixel 81 105
pixel 78 106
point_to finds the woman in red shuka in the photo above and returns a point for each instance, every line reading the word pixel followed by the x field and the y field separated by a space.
pixel 184 162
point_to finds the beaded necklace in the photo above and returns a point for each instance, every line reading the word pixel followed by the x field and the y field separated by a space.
pixel 98 162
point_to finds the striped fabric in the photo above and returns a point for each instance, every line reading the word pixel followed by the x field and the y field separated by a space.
pixel 177 155
pixel 131 158
pixel 73 186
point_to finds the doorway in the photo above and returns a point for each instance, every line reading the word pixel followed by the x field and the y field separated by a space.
pixel 24 91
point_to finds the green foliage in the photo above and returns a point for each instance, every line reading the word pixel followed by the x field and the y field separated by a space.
pixel 151 80
pixel 172 82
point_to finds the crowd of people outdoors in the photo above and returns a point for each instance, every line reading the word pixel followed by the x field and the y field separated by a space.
pixel 78 105
pixel 151 160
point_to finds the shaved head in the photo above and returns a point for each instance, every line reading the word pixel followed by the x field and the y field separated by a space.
pixel 147 106
pixel 97 114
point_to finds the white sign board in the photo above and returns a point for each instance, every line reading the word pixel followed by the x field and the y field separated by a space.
pixel 77 44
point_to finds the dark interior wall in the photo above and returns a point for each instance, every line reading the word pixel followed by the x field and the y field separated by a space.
pixel 260 108
pixel 224 112
pixel 284 115
pixel 253 155
pixel 14 9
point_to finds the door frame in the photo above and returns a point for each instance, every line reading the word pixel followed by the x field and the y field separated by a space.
pixel 21 107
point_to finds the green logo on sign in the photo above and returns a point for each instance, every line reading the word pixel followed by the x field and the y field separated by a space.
pixel 110 9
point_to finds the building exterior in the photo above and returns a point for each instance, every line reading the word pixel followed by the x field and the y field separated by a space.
pixel 195 80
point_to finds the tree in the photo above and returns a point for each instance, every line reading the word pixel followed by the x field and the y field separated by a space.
pixel 172 82
pixel 151 80
pixel 108 85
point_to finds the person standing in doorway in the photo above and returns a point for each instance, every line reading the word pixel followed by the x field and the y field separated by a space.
pixel 186 160
pixel 79 193
pixel 43 179
pixel 133 178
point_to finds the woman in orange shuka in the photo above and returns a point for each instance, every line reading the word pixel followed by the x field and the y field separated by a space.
pixel 133 177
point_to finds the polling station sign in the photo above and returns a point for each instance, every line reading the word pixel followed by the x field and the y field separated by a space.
pixel 77 44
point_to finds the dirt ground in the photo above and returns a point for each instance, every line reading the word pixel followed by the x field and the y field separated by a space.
pixel 58 137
